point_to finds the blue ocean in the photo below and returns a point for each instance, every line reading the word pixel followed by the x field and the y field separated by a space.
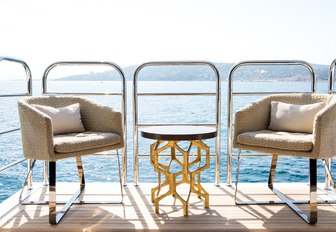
pixel 165 109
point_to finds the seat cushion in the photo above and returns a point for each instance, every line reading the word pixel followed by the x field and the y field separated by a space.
pixel 277 140
pixel 84 141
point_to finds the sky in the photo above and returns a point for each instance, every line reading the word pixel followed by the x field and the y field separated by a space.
pixel 131 32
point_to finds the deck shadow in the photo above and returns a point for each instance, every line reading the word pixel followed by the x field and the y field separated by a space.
pixel 170 217
pixel 280 217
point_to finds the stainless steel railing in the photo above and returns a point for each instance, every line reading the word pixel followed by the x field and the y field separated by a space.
pixel 232 93
pixel 332 77
pixel 28 76
pixel 122 94
pixel 136 94
pixel 27 93
pixel 331 91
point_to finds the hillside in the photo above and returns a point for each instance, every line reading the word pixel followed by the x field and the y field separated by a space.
pixel 199 73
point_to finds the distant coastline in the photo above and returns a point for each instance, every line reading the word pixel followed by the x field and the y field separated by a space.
pixel 199 73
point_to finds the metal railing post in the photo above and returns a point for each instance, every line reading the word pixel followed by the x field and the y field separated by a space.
pixel 331 77
pixel 231 94
pixel 136 124
pixel 27 93
pixel 122 94
pixel 331 91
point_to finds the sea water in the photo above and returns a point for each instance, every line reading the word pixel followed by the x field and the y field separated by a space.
pixel 168 109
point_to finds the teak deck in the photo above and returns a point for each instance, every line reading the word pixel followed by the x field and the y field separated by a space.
pixel 137 212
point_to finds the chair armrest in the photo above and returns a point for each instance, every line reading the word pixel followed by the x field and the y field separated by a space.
pixel 98 117
pixel 36 133
pixel 325 132
pixel 252 117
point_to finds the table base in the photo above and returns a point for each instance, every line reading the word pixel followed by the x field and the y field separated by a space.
pixel 193 178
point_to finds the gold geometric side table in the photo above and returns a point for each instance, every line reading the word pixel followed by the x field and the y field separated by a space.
pixel 168 138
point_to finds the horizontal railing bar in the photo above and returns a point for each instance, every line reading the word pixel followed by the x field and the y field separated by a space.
pixel 169 124
pixel 176 94
pixel 108 94
pixel 252 155
pixel 104 154
pixel 273 62
pixel 169 155
pixel 9 131
pixel 177 63
pixel 77 202
pixel 11 165
pixel 263 93
pixel 15 95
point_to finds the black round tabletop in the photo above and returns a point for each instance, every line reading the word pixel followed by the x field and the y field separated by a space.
pixel 179 132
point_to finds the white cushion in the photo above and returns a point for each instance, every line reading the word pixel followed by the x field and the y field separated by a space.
pixel 293 118
pixel 64 119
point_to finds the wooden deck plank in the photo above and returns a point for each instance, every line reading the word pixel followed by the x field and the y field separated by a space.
pixel 137 212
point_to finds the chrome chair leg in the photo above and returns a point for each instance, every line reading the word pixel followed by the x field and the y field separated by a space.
pixel 120 179
pixel 30 174
pixel 82 184
pixel 80 172
pixel 272 171
pixel 312 218
pixel 27 182
pixel 52 193
pixel 313 191
pixel 45 173
pixel 54 216
pixel 237 175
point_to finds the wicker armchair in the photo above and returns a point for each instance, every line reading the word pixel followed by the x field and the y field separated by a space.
pixel 252 132
pixel 101 131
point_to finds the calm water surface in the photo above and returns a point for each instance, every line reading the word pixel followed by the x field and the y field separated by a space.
pixel 151 110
